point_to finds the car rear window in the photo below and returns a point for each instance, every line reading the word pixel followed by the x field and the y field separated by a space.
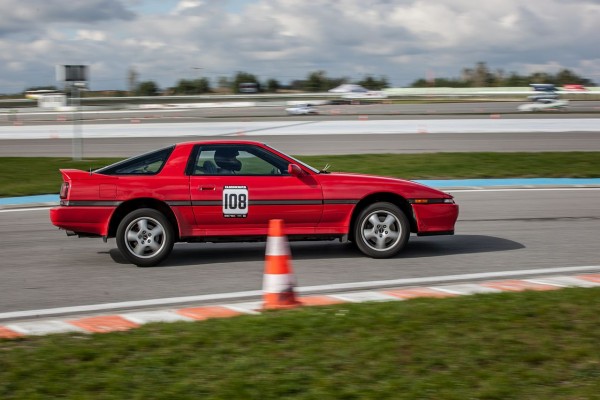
pixel 145 164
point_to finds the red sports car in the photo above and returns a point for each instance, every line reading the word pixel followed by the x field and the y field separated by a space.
pixel 215 191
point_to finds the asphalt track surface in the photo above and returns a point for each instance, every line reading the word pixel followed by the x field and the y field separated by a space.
pixel 498 230
pixel 325 144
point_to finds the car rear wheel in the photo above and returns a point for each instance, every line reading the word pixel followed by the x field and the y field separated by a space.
pixel 145 237
pixel 381 230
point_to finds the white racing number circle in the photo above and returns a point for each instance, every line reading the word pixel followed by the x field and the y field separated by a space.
pixel 235 201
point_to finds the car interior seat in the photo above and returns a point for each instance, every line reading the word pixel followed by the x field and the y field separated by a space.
pixel 226 161
pixel 209 168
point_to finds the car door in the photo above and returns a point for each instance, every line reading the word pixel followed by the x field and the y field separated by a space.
pixel 238 196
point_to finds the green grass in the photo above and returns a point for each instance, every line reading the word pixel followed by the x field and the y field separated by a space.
pixel 529 345
pixel 467 165
pixel 22 176
pixel 27 176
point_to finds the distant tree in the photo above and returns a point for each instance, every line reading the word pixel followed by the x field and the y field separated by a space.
pixel 202 85
pixel 566 76
pixel 297 84
pixel 273 85
pixel 373 84
pixel 317 81
pixel 243 77
pixel 478 76
pixel 189 87
pixel 147 88
pixel 540 77
pixel 335 82
pixel 440 82
pixel 420 83
pixel 499 77
pixel 515 79
pixel 481 76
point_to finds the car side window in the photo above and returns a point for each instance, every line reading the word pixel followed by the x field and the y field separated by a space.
pixel 238 160
pixel 205 164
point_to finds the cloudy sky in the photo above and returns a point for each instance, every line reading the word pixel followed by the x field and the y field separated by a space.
pixel 404 40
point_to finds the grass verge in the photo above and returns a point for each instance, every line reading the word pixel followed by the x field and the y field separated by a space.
pixel 28 176
pixel 528 345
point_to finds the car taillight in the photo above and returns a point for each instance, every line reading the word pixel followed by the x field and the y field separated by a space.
pixel 64 190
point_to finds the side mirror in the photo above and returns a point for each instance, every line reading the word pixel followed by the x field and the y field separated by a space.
pixel 294 170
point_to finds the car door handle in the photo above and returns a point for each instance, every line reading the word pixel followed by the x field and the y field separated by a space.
pixel 206 187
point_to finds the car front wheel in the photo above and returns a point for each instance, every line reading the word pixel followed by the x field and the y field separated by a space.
pixel 381 230
pixel 145 237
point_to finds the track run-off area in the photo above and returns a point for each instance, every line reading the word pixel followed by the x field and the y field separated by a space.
pixel 301 127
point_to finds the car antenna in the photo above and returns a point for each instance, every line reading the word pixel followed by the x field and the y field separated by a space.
pixel 325 168
pixel 90 170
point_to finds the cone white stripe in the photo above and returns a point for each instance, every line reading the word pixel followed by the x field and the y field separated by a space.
pixel 277 246
pixel 278 283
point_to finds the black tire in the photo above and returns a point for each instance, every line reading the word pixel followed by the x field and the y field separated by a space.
pixel 145 237
pixel 381 230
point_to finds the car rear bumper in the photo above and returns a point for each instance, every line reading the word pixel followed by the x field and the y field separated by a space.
pixel 90 220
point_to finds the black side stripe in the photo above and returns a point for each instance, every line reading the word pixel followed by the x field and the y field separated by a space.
pixel 283 202
pixel 179 203
pixel 340 201
pixel 89 203
pixel 200 203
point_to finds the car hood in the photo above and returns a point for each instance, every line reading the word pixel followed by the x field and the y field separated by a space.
pixel 404 186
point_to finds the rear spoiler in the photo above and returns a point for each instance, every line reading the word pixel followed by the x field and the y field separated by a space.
pixel 77 174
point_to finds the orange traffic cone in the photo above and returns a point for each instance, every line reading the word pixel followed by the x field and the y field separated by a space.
pixel 278 281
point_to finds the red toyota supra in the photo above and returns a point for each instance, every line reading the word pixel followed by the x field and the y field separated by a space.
pixel 225 191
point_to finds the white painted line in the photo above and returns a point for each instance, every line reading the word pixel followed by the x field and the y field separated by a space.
pixel 468 288
pixel 565 281
pixel 443 278
pixel 25 209
pixel 446 290
pixel 144 317
pixel 291 127
pixel 43 327
pixel 539 282
pixel 306 289
pixel 361 297
pixel 251 307
pixel 129 304
pixel 539 189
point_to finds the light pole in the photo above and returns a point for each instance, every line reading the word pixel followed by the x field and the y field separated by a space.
pixel 74 78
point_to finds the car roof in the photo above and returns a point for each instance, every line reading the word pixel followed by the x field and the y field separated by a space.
pixel 221 141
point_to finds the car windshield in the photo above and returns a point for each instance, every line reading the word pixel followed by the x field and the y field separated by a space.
pixel 316 171
pixel 145 164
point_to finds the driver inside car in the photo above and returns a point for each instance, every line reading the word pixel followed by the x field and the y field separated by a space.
pixel 227 163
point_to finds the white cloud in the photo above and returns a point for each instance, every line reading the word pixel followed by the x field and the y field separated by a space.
pixel 96 36
pixel 285 39
pixel 186 5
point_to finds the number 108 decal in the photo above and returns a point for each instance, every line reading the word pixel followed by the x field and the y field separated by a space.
pixel 235 201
